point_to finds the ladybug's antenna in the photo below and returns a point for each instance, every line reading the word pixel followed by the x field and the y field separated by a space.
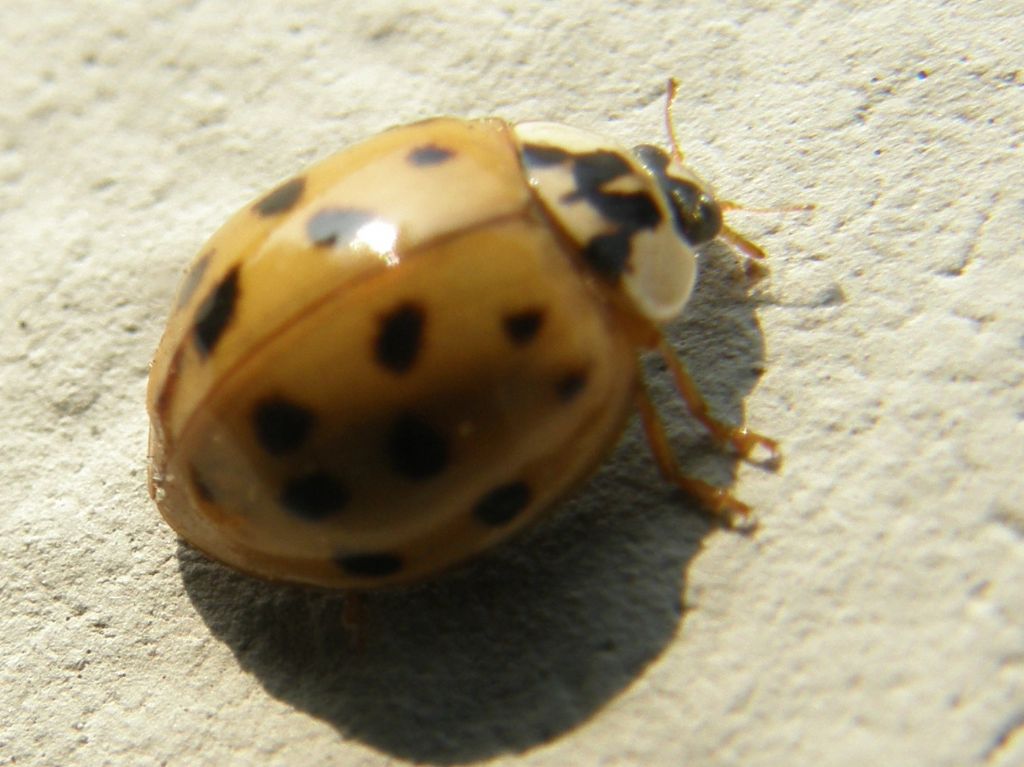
pixel 670 124
pixel 751 250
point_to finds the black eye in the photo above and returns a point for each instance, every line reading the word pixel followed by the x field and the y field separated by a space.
pixel 697 216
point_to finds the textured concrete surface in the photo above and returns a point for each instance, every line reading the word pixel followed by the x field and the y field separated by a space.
pixel 876 618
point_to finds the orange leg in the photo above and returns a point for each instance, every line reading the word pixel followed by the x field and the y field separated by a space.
pixel 742 440
pixel 716 500
pixel 754 257
pixel 751 251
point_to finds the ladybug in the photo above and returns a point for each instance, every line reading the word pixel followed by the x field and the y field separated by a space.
pixel 408 352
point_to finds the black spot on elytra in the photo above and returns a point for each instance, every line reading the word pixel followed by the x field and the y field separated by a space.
pixel 400 337
pixel 193 278
pixel 280 425
pixel 522 327
pixel 200 486
pixel 415 449
pixel 570 385
pixel 215 313
pixel 502 503
pixel 376 565
pixel 336 226
pixel 430 154
pixel 315 495
pixel 282 199
pixel 537 156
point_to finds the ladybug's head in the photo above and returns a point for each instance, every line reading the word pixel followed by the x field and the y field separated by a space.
pixel 698 216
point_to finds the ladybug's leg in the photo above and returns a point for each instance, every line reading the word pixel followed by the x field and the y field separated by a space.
pixel 752 252
pixel 754 257
pixel 747 248
pixel 742 440
pixel 716 500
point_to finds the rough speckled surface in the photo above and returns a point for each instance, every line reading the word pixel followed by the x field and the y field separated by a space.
pixel 877 616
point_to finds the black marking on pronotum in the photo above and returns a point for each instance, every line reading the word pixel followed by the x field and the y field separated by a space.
pixel 570 385
pixel 337 226
pixel 608 254
pixel 430 154
pixel 314 495
pixel 371 565
pixel 501 505
pixel 281 426
pixel 630 212
pixel 282 199
pixel 522 327
pixel 627 213
pixel 215 313
pixel 193 278
pixel 594 169
pixel 400 337
pixel 537 156
pixel 415 449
